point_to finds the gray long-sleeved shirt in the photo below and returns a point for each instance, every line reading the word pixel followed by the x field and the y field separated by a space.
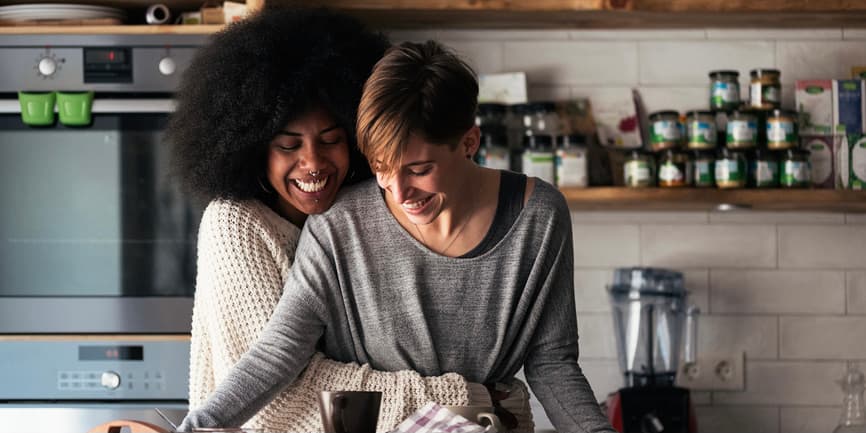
pixel 378 296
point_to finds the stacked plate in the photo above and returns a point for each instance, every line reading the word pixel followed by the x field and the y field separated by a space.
pixel 58 12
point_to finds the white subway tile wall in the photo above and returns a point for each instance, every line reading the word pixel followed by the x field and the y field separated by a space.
pixel 786 288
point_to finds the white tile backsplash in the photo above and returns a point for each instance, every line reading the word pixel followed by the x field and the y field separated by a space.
pixel 820 246
pixel 759 217
pixel 822 337
pixel 737 419
pixel 774 34
pixel 727 335
pixel 853 34
pixel 483 57
pixel 596 334
pixel 590 290
pixel 574 63
pixel 804 60
pixel 638 35
pixel 688 63
pixel 810 419
pixel 779 292
pixel 607 217
pixel 681 99
pixel 704 246
pixel 597 245
pixel 856 290
pixel 787 383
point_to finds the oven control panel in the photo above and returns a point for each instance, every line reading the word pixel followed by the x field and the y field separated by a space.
pixel 102 69
pixel 70 369
pixel 111 380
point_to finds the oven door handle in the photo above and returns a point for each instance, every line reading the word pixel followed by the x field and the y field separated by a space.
pixel 109 106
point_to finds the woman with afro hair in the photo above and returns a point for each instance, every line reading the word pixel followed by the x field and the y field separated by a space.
pixel 264 130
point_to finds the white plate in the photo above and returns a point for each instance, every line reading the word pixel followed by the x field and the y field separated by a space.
pixel 53 11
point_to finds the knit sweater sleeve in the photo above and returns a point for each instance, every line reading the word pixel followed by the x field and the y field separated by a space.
pixel 241 257
pixel 243 261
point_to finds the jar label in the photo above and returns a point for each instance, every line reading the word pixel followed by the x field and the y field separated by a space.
pixel 821 159
pixel 495 158
pixel 742 130
pixel 858 163
pixel 795 173
pixel 540 165
pixel 723 93
pixel 780 131
pixel 670 172
pixel 570 169
pixel 771 94
pixel 703 174
pixel 666 130
pixel 761 95
pixel 728 170
pixel 637 173
pixel 765 173
pixel 702 133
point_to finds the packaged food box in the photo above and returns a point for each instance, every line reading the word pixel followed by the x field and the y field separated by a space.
pixel 848 109
pixel 858 72
pixel 856 161
pixel 814 99
pixel 822 158
pixel 617 122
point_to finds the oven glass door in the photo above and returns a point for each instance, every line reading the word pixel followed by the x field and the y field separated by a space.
pixel 93 218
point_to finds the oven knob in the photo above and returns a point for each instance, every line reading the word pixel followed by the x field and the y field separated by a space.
pixel 167 66
pixel 47 66
pixel 110 380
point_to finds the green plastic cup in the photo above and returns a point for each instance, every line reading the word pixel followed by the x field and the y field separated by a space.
pixel 74 108
pixel 37 108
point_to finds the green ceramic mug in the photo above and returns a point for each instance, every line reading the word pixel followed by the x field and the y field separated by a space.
pixel 37 108
pixel 74 108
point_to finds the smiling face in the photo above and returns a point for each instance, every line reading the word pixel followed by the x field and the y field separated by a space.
pixel 431 178
pixel 307 162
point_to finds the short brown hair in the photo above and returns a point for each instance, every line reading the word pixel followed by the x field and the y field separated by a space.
pixel 417 89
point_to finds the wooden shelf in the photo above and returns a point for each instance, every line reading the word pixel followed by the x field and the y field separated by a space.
pixel 537 14
pixel 102 30
pixel 709 199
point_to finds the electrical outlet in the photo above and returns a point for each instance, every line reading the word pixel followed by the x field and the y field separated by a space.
pixel 713 373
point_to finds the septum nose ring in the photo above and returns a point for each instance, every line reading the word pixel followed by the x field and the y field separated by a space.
pixel 315 173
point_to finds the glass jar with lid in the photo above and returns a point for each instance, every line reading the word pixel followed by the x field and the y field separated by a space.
pixel 701 129
pixel 742 130
pixel 763 169
pixel 795 171
pixel 724 90
pixel 674 168
pixel 703 162
pixel 538 158
pixel 730 168
pixel 639 169
pixel 493 150
pixel 571 161
pixel 518 124
pixel 545 120
pixel 666 130
pixel 781 129
pixel 765 90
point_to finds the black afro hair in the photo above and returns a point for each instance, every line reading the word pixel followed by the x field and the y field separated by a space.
pixel 254 77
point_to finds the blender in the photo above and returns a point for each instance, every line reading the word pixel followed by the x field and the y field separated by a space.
pixel 651 316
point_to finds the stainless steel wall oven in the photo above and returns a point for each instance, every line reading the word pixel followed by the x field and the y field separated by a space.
pixel 97 242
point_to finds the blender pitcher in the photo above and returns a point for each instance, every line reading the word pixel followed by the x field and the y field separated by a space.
pixel 650 317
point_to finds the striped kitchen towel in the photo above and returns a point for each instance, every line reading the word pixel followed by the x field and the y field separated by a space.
pixel 433 418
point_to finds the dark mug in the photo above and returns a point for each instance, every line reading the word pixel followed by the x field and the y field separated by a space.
pixel 349 411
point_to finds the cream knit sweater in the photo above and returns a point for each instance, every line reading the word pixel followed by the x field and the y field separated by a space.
pixel 245 251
